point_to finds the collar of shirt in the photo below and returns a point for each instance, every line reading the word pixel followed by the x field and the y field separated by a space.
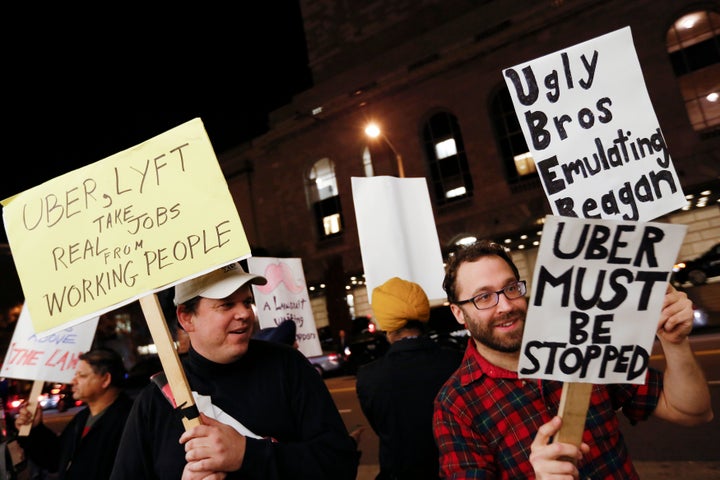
pixel 474 366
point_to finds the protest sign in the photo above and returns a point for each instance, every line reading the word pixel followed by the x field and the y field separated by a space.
pixel 101 236
pixel 49 358
pixel 397 233
pixel 598 289
pixel 592 131
pixel 285 298
pixel 121 229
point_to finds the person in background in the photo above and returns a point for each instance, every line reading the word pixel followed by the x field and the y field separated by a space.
pixel 8 320
pixel 87 445
pixel 285 333
pixel 490 424
pixel 265 413
pixel 396 391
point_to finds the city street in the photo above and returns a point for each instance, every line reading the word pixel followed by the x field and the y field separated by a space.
pixel 661 450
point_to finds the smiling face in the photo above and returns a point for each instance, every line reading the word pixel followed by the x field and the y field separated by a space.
pixel 497 330
pixel 220 330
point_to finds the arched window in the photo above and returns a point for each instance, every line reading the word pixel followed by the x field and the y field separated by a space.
pixel 367 163
pixel 322 193
pixel 693 45
pixel 445 152
pixel 517 160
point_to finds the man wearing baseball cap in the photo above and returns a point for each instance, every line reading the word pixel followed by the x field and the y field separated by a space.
pixel 265 412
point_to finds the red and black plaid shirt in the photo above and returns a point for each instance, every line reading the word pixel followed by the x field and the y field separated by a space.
pixel 486 418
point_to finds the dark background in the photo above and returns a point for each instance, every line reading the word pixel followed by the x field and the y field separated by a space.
pixel 80 85
pixel 79 89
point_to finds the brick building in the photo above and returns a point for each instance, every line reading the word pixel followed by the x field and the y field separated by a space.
pixel 431 71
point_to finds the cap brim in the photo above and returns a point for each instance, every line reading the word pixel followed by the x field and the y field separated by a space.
pixel 227 286
pixel 217 284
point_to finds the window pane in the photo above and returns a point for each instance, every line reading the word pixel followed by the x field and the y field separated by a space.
pixel 322 194
pixel 516 157
pixel 524 164
pixel 447 163
pixel 331 223
pixel 445 148
pixel 693 47
pixel 456 192
pixel 323 176
pixel 367 163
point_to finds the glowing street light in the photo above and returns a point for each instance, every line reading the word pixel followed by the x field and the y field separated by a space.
pixel 372 130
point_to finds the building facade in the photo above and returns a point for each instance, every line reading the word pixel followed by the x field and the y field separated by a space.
pixel 430 74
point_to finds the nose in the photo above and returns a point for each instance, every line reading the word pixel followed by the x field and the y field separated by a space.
pixel 243 312
pixel 504 303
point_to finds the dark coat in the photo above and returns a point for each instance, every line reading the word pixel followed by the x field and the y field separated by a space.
pixel 73 456
pixel 396 394
pixel 274 392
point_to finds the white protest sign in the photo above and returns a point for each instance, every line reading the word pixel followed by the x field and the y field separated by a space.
pixel 397 233
pixel 592 131
pixel 285 297
pixel 50 358
pixel 598 289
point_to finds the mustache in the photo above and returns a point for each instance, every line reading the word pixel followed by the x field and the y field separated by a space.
pixel 280 273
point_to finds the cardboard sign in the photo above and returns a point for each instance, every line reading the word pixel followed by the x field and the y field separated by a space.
pixel 598 289
pixel 397 232
pixel 50 358
pixel 136 222
pixel 285 297
pixel 592 131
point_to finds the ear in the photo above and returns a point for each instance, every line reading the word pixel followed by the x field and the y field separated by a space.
pixel 458 313
pixel 185 318
pixel 107 380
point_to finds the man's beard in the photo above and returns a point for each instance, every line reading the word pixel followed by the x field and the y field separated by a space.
pixel 485 334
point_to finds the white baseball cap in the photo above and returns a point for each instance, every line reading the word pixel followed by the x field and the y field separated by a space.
pixel 220 283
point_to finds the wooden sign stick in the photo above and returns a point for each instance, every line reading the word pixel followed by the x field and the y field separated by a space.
pixel 170 360
pixel 32 405
pixel 574 403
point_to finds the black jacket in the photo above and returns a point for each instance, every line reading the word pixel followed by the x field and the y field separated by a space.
pixel 396 394
pixel 274 391
pixel 73 456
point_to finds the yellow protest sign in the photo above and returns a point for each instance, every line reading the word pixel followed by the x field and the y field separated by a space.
pixel 104 235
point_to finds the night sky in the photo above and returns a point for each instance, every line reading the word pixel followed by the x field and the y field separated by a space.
pixel 77 92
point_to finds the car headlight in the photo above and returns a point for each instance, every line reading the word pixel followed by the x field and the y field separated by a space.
pixel 700 317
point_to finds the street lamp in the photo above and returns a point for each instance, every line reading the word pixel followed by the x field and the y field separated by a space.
pixel 373 131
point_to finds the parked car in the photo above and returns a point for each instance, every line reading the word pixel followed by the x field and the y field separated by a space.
pixel 698 271
pixel 66 400
pixel 48 399
pixel 457 339
pixel 705 320
pixel 365 348
pixel 328 364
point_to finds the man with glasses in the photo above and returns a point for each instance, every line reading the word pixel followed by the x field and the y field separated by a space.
pixel 488 423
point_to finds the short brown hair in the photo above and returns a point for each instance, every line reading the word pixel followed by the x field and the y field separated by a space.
pixel 470 253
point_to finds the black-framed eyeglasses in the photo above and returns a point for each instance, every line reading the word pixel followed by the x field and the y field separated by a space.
pixel 486 300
